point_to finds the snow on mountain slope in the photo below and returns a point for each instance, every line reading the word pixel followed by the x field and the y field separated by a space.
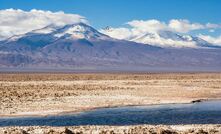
pixel 47 29
pixel 158 40
pixel 77 44
pixel 80 46
pixel 71 31
pixel 79 31
pixel 164 39
pixel 47 35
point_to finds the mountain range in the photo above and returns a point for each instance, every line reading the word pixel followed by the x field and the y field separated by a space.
pixel 80 47
pixel 165 39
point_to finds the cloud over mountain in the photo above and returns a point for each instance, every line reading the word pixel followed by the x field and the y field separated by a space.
pixel 157 32
pixel 214 40
pixel 184 26
pixel 173 33
pixel 16 21
pixel 80 47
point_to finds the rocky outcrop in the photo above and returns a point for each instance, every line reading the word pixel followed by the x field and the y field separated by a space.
pixel 142 129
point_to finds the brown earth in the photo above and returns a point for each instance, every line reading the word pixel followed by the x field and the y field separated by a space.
pixel 44 93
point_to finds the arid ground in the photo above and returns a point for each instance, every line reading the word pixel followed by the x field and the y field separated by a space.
pixel 44 93
pixel 140 129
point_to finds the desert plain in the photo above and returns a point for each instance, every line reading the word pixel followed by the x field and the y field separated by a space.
pixel 40 94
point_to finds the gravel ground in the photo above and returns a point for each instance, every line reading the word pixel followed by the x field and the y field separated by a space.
pixel 141 129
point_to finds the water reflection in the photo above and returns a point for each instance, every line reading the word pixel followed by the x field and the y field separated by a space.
pixel 199 113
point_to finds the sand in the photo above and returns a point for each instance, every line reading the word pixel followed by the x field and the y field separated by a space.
pixel 39 94
pixel 47 94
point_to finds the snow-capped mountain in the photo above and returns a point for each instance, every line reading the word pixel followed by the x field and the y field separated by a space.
pixel 79 31
pixel 81 47
pixel 165 39
pixel 50 34
pixel 171 39
pixel 72 31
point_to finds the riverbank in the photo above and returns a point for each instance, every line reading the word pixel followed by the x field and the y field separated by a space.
pixel 140 129
pixel 34 94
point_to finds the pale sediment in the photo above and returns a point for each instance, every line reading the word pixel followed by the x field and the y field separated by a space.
pixel 140 129
pixel 46 94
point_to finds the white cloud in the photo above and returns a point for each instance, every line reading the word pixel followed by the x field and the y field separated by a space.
pixel 147 26
pixel 213 26
pixel 210 39
pixel 184 26
pixel 13 22
pixel 180 26
pixel 139 29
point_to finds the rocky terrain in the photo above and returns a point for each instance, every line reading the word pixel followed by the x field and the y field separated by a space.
pixel 45 93
pixel 142 129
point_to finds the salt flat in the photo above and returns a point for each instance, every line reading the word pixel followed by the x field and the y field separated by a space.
pixel 46 94
pixel 39 94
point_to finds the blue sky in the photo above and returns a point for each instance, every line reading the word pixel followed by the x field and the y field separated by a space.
pixel 101 13
pixel 128 18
